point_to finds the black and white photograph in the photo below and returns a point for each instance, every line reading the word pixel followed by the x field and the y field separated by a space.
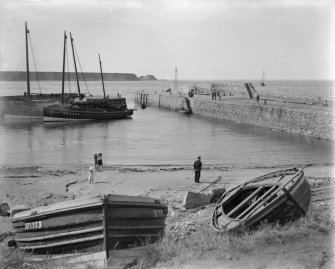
pixel 167 134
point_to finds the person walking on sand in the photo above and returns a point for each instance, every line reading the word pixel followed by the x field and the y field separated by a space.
pixel 197 168
pixel 91 175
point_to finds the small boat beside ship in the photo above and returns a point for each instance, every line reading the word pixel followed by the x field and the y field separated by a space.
pixel 29 105
pixel 92 224
pixel 279 196
pixel 86 107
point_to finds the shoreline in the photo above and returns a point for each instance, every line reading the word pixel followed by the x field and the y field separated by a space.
pixel 45 185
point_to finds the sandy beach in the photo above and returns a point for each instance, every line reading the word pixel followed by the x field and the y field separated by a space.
pixel 40 186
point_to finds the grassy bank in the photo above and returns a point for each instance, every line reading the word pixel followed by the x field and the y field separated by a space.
pixel 206 244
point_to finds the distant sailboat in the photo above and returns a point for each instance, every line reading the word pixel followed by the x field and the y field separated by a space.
pixel 263 78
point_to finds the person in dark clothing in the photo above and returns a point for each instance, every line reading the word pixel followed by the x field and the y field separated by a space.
pixel 95 161
pixel 197 168
pixel 100 165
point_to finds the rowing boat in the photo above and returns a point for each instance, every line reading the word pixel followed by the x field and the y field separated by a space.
pixel 91 224
pixel 279 196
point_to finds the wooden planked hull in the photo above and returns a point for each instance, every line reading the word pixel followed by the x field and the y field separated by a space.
pixel 279 196
pixel 66 113
pixel 91 224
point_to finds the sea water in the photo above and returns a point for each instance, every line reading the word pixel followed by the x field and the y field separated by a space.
pixel 157 137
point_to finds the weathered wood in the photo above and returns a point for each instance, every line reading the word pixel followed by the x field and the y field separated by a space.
pixel 75 241
pixel 257 202
pixel 66 234
pixel 135 213
pixel 105 225
pixel 245 201
pixel 213 183
pixel 21 233
pixel 76 218
pixel 60 208
pixel 93 223
pixel 287 199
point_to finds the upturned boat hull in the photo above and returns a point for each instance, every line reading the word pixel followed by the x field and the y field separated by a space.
pixel 280 196
pixel 91 224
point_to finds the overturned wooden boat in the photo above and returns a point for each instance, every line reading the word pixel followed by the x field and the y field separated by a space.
pixel 93 224
pixel 279 196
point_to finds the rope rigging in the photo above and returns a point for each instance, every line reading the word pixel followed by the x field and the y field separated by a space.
pixel 35 63
pixel 75 50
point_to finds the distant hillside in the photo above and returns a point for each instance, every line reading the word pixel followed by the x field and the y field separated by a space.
pixel 147 77
pixel 21 76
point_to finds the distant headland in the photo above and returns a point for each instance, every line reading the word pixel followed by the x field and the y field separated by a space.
pixel 21 76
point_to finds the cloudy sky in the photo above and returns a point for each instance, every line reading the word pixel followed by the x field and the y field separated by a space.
pixel 205 39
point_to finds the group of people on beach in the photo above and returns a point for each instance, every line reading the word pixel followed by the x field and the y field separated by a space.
pixel 97 166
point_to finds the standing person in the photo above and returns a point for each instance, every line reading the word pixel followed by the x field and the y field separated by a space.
pixel 100 161
pixel 95 161
pixel 197 168
pixel 91 175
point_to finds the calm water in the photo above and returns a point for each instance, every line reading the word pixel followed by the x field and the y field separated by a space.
pixel 153 137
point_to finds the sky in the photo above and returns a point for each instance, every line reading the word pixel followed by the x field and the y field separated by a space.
pixel 205 39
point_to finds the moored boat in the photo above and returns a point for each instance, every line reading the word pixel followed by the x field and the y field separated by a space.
pixel 92 224
pixel 28 105
pixel 279 196
pixel 87 107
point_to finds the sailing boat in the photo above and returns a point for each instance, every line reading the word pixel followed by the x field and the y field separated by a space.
pixel 28 105
pixel 263 78
pixel 86 107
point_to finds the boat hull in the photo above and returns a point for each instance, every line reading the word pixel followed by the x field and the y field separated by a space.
pixel 61 113
pixel 280 196
pixel 91 224
pixel 21 107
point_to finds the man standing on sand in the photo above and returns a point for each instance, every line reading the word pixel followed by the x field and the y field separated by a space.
pixel 197 168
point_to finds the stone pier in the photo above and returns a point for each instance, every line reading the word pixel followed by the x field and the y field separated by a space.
pixel 315 120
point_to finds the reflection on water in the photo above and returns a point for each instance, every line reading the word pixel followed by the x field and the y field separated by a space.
pixel 156 137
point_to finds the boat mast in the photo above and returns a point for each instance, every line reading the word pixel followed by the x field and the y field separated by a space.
pixel 27 62
pixel 75 66
pixel 63 74
pixel 102 78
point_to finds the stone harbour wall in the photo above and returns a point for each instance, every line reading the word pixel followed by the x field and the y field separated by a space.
pixel 303 119
pixel 308 121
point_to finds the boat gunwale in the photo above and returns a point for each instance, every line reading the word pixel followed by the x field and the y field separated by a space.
pixel 23 215
pixel 298 172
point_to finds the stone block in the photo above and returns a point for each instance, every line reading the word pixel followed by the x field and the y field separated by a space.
pixel 195 199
